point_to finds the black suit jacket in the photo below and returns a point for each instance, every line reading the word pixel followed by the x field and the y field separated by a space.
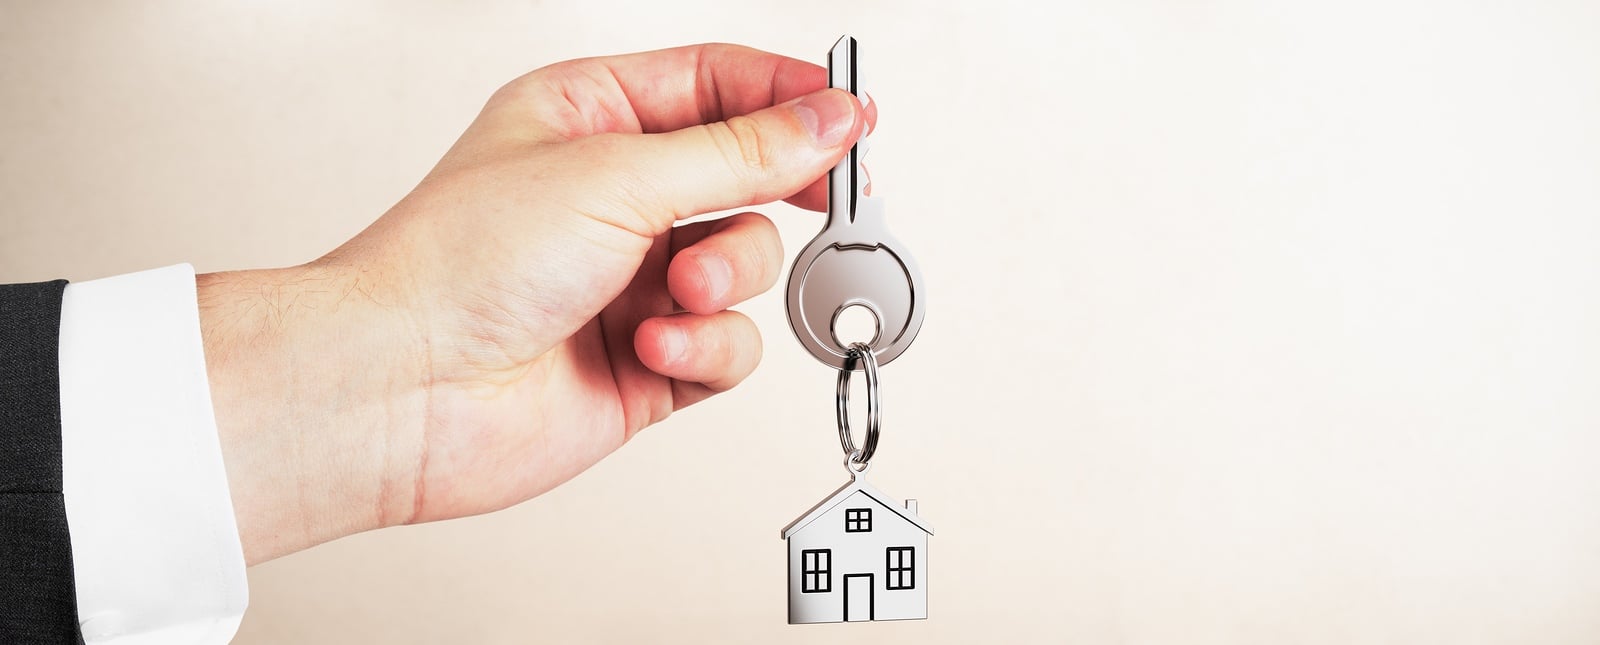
pixel 38 603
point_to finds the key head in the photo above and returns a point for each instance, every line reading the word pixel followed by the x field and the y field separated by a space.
pixel 854 261
pixel 838 270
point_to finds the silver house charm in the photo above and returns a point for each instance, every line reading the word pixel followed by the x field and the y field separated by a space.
pixel 858 555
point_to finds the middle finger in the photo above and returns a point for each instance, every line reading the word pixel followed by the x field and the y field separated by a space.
pixel 738 257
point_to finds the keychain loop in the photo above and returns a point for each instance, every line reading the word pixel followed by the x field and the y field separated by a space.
pixel 856 468
pixel 869 363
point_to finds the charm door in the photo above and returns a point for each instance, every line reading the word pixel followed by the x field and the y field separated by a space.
pixel 858 599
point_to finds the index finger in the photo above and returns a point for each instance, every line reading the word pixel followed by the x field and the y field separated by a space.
pixel 673 89
pixel 660 91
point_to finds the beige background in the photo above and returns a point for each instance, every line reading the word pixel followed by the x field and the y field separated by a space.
pixel 1252 322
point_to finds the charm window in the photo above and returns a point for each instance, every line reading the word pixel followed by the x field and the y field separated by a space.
pixel 902 567
pixel 858 520
pixel 816 570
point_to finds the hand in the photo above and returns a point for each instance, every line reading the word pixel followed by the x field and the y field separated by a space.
pixel 530 305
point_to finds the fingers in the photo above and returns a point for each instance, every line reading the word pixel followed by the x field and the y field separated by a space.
pixel 757 158
pixel 672 89
pixel 658 91
pixel 717 350
pixel 724 262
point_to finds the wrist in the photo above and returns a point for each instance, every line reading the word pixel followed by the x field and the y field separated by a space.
pixel 312 402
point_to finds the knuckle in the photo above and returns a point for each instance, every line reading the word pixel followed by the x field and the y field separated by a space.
pixel 758 257
pixel 749 344
pixel 738 353
pixel 529 88
pixel 744 144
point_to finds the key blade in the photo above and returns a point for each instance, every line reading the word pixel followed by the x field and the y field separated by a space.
pixel 842 64
pixel 847 181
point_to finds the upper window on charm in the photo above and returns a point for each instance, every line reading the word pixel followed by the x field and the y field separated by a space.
pixel 858 520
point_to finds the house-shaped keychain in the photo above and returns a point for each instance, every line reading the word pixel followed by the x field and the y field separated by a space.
pixel 858 555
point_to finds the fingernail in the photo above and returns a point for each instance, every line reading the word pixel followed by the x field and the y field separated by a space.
pixel 827 115
pixel 674 343
pixel 867 108
pixel 717 273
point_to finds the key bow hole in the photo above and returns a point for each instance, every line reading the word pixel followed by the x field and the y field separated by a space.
pixel 857 322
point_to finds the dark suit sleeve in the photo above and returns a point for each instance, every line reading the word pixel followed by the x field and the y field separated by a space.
pixel 38 602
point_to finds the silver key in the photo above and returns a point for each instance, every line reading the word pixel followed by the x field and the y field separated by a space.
pixel 854 260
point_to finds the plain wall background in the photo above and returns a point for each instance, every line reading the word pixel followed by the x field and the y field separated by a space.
pixel 1251 322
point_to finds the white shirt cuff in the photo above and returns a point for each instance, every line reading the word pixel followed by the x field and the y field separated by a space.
pixel 155 549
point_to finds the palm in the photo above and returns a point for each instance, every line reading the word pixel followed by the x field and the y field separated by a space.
pixel 553 418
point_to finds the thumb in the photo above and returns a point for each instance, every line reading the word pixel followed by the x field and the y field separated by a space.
pixel 752 159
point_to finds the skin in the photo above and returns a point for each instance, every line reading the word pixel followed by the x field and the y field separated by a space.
pixel 530 305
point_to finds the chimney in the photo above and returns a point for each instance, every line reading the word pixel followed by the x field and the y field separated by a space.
pixel 911 505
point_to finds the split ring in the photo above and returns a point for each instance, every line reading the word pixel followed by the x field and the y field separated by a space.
pixel 869 363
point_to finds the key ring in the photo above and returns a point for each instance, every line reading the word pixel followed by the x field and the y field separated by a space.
pixel 863 353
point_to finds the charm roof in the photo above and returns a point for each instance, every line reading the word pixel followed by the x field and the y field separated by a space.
pixel 857 483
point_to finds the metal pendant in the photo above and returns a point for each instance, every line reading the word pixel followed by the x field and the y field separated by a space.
pixel 858 555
